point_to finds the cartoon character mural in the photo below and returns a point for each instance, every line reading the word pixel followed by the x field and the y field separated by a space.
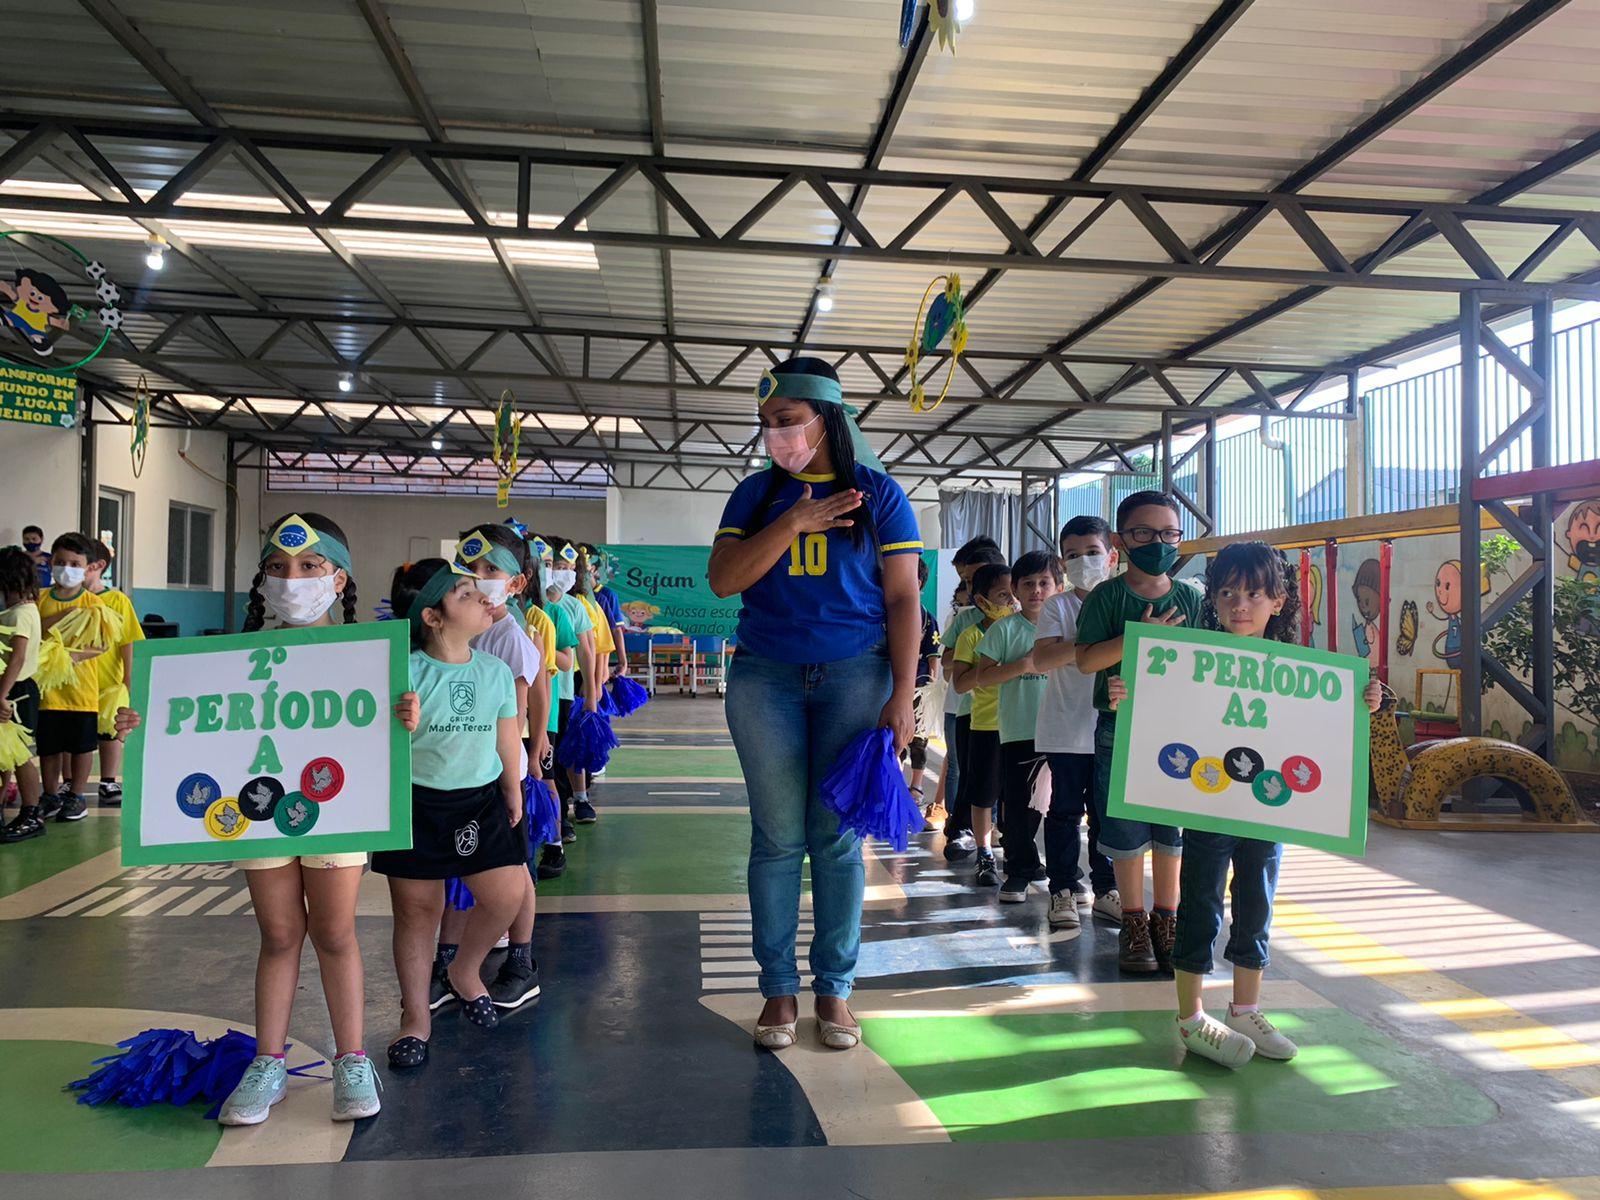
pixel 38 311
pixel 638 614
pixel 1447 591
pixel 1364 622
pixel 1583 540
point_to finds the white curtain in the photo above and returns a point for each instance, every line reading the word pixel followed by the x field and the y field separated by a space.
pixel 971 512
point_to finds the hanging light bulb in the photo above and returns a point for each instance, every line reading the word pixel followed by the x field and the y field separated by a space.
pixel 825 294
pixel 346 382
pixel 964 10
pixel 155 253
pixel 438 443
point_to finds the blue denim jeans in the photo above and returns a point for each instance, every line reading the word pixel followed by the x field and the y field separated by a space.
pixel 1120 837
pixel 790 722
pixel 1071 798
pixel 952 764
pixel 1206 857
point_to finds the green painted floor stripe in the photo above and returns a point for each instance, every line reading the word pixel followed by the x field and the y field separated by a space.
pixel 27 863
pixel 656 854
pixel 1120 1074
pixel 58 1134
pixel 649 762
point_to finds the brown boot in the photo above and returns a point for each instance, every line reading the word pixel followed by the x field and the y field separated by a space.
pixel 1134 950
pixel 1163 934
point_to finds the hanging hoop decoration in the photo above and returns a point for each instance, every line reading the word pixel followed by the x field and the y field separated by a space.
pixel 35 309
pixel 139 427
pixel 507 440
pixel 946 315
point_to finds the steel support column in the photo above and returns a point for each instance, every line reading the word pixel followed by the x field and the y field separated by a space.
pixel 1542 517
pixel 230 538
pixel 88 489
pixel 1471 535
pixel 1041 511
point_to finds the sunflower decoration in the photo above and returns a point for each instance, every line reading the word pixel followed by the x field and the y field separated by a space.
pixel 507 441
pixel 944 317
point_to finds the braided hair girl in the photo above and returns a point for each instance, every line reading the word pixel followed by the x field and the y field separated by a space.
pixel 305 567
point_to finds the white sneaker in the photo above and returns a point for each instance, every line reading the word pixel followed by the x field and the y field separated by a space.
pixel 263 1085
pixel 1084 899
pixel 1109 906
pixel 1064 911
pixel 1210 1038
pixel 504 942
pixel 1263 1034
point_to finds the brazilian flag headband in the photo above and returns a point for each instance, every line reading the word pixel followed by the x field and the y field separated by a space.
pixel 295 536
pixel 819 389
pixel 432 593
pixel 476 545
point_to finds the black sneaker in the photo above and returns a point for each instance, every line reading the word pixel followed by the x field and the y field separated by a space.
pixel 552 862
pixel 988 873
pixel 583 814
pixel 515 984
pixel 49 806
pixel 439 993
pixel 111 795
pixel 1013 890
pixel 26 824
pixel 960 847
pixel 75 808
pixel 1040 875
pixel 568 832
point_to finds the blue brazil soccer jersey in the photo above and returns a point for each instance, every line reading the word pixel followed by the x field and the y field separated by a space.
pixel 823 600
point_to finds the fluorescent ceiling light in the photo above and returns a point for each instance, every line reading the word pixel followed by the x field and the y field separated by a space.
pixel 363 243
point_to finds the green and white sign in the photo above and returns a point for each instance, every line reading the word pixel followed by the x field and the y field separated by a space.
pixel 38 397
pixel 1242 736
pixel 260 745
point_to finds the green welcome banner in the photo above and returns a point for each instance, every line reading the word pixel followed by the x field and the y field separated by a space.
pixel 38 397
pixel 664 589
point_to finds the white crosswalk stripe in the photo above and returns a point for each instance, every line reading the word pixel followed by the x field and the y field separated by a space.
pixel 726 964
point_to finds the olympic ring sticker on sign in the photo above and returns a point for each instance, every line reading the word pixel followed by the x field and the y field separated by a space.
pixel 1177 760
pixel 1243 764
pixel 1301 774
pixel 197 793
pixel 322 779
pixel 1271 790
pixel 296 816
pixel 1208 775
pixel 259 798
pixel 224 821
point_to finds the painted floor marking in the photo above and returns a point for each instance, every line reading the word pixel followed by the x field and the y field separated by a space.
pixel 1580 1188
pixel 299 1131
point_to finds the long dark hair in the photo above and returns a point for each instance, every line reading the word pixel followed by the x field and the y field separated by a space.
pixel 255 613
pixel 19 576
pixel 409 579
pixel 1257 566
pixel 836 432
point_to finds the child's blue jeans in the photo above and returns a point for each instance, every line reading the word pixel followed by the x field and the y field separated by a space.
pixel 790 722
pixel 1206 858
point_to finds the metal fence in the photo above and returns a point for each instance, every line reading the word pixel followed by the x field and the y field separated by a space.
pixel 1411 433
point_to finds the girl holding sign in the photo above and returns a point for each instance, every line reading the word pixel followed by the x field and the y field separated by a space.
pixel 466 807
pixel 1252 591
pixel 305 570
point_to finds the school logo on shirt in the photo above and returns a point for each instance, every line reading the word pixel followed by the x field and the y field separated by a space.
pixel 467 840
pixel 463 697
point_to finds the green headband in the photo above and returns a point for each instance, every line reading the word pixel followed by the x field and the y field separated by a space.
pixel 477 546
pixel 432 593
pixel 294 535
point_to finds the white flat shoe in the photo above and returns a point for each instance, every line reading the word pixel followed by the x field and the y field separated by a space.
pixel 775 1037
pixel 838 1037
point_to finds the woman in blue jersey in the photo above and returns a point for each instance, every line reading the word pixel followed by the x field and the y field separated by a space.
pixel 823 548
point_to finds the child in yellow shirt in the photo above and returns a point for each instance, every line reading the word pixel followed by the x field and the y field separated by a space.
pixel 69 715
pixel 114 668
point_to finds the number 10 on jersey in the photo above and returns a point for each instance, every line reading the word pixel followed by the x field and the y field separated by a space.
pixel 808 554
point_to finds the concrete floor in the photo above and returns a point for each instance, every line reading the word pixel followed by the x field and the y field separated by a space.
pixel 1445 991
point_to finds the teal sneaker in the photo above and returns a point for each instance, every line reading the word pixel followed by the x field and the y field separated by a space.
pixel 355 1088
pixel 263 1085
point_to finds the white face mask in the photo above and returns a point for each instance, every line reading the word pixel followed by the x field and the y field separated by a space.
pixel 563 581
pixel 70 576
pixel 299 601
pixel 497 590
pixel 1087 572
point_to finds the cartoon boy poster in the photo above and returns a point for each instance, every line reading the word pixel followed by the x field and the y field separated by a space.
pixel 38 309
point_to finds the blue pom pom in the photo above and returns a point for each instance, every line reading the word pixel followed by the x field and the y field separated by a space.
pixel 868 792
pixel 628 696
pixel 543 814
pixel 607 704
pixel 170 1066
pixel 458 895
pixel 588 741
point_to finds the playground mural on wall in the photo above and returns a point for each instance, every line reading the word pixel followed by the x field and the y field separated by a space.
pixel 1423 621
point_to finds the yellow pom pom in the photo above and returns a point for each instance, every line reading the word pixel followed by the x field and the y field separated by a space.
pixel 56 667
pixel 16 745
pixel 89 627
pixel 110 700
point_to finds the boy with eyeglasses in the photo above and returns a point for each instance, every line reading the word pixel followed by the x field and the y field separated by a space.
pixel 1146 538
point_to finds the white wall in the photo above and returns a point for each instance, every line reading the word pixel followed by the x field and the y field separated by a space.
pixel 644 517
pixel 38 480
pixel 385 531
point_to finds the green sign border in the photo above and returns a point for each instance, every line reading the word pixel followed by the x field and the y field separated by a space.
pixel 398 837
pixel 1117 805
